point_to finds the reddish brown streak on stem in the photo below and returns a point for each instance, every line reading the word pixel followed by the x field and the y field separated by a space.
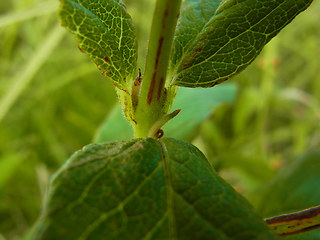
pixel 160 88
pixel 151 89
pixel 158 53
pixel 138 80
pixel 154 75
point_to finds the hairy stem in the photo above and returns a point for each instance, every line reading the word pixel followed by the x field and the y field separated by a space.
pixel 296 222
pixel 153 101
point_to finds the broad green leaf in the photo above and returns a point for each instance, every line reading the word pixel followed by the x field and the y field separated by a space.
pixel 294 189
pixel 114 128
pixel 218 39
pixel 145 189
pixel 106 34
pixel 196 105
pixel 193 18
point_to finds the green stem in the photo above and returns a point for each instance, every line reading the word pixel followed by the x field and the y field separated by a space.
pixel 153 101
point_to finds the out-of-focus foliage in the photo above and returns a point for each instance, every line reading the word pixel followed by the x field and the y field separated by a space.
pixel 277 111
pixel 52 100
pixel 293 189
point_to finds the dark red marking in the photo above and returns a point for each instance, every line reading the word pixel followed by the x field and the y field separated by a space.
pixel 138 80
pixel 296 218
pixel 151 89
pixel 218 82
pixel 300 230
pixel 120 87
pixel 215 83
pixel 158 53
pixel 159 133
pixel 176 112
pixel 106 72
pixel 160 88
pixel 154 75
pixel 106 59
pixel 166 12
pixel 186 64
pixel 80 48
pixel 199 49
pixel 165 92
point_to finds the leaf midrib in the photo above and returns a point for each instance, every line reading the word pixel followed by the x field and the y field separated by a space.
pixel 170 192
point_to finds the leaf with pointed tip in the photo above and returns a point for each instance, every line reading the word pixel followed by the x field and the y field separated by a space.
pixel 106 35
pixel 217 39
pixel 145 189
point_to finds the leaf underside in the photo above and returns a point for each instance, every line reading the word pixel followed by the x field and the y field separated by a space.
pixel 216 39
pixel 105 34
pixel 145 189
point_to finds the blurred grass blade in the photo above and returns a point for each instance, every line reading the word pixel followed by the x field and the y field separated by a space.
pixel 8 165
pixel 21 15
pixel 23 78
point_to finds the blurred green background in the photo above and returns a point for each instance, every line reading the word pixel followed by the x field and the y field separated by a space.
pixel 53 100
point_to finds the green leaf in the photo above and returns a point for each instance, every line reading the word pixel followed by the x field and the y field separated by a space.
pixel 292 190
pixel 114 128
pixel 196 105
pixel 145 189
pixel 106 34
pixel 193 18
pixel 214 42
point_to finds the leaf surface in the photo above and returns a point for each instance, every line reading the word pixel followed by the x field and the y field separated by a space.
pixel 114 128
pixel 145 189
pixel 106 35
pixel 215 40
pixel 197 105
